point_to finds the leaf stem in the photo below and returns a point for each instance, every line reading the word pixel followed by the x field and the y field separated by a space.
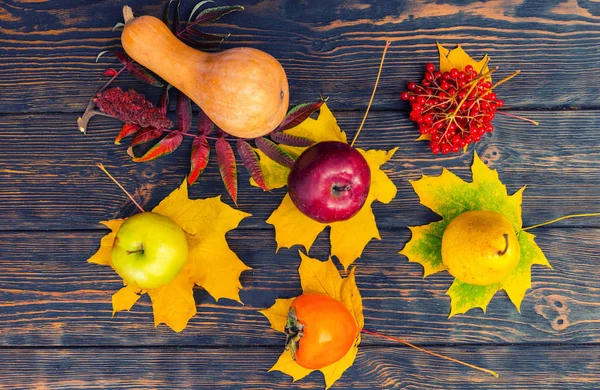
pixel 387 45
pixel 99 165
pixel 89 112
pixel 561 218
pixel 398 340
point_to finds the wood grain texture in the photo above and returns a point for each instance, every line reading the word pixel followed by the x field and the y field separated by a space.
pixel 56 329
pixel 50 179
pixel 51 297
pixel 531 367
pixel 48 52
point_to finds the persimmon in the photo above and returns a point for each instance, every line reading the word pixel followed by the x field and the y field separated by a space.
pixel 320 329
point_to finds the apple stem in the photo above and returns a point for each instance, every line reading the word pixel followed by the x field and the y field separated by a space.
pixel 387 45
pixel 429 352
pixel 134 252
pixel 561 218
pixel 502 252
pixel 99 165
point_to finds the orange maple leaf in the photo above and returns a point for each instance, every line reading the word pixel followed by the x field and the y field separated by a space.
pixel 211 264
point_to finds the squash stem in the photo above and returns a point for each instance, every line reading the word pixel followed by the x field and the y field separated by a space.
pixel 127 14
pixel 387 45
pixel 493 373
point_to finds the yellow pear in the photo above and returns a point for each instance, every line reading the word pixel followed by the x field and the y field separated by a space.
pixel 480 247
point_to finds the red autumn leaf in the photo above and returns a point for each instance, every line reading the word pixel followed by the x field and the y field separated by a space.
pixel 195 33
pixel 184 113
pixel 274 152
pixel 165 16
pixel 176 21
pixel 199 160
pixel 110 72
pixel 163 147
pixel 291 140
pixel 163 103
pixel 251 162
pixel 205 125
pixel 212 14
pixel 137 71
pixel 227 167
pixel 298 114
pixel 127 130
pixel 145 135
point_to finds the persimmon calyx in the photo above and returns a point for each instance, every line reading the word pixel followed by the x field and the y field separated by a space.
pixel 294 331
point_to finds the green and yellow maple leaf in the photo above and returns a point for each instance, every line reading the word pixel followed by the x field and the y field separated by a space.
pixel 450 196
pixel 348 238
pixel 321 277
pixel 211 264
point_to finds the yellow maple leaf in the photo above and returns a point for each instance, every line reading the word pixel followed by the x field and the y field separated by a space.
pixel 348 238
pixel 449 196
pixel 211 264
pixel 458 59
pixel 321 277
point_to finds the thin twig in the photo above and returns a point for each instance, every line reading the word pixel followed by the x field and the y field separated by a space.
pixel 429 352
pixel 387 44
pixel 120 186
pixel 518 117
pixel 561 218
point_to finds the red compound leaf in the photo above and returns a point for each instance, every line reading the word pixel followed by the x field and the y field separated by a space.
pixel 127 130
pixel 227 167
pixel 199 160
pixel 274 152
pixel 205 125
pixel 251 162
pixel 145 135
pixel 137 71
pixel 298 114
pixel 165 146
pixel 184 113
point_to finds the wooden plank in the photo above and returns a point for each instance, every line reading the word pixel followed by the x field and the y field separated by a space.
pixel 49 296
pixel 519 367
pixel 50 179
pixel 333 51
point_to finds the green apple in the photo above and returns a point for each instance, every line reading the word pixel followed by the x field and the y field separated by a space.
pixel 149 250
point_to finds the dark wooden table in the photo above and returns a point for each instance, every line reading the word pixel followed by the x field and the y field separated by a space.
pixel 56 329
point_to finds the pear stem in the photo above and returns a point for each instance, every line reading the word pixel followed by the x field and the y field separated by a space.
pixel 120 186
pixel 429 352
pixel 387 45
pixel 561 218
pixel 502 252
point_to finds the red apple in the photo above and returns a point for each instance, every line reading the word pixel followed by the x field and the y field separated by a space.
pixel 330 182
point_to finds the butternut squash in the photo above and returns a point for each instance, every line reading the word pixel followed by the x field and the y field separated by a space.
pixel 244 91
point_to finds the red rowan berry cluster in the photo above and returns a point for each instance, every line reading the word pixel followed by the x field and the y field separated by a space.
pixel 455 108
